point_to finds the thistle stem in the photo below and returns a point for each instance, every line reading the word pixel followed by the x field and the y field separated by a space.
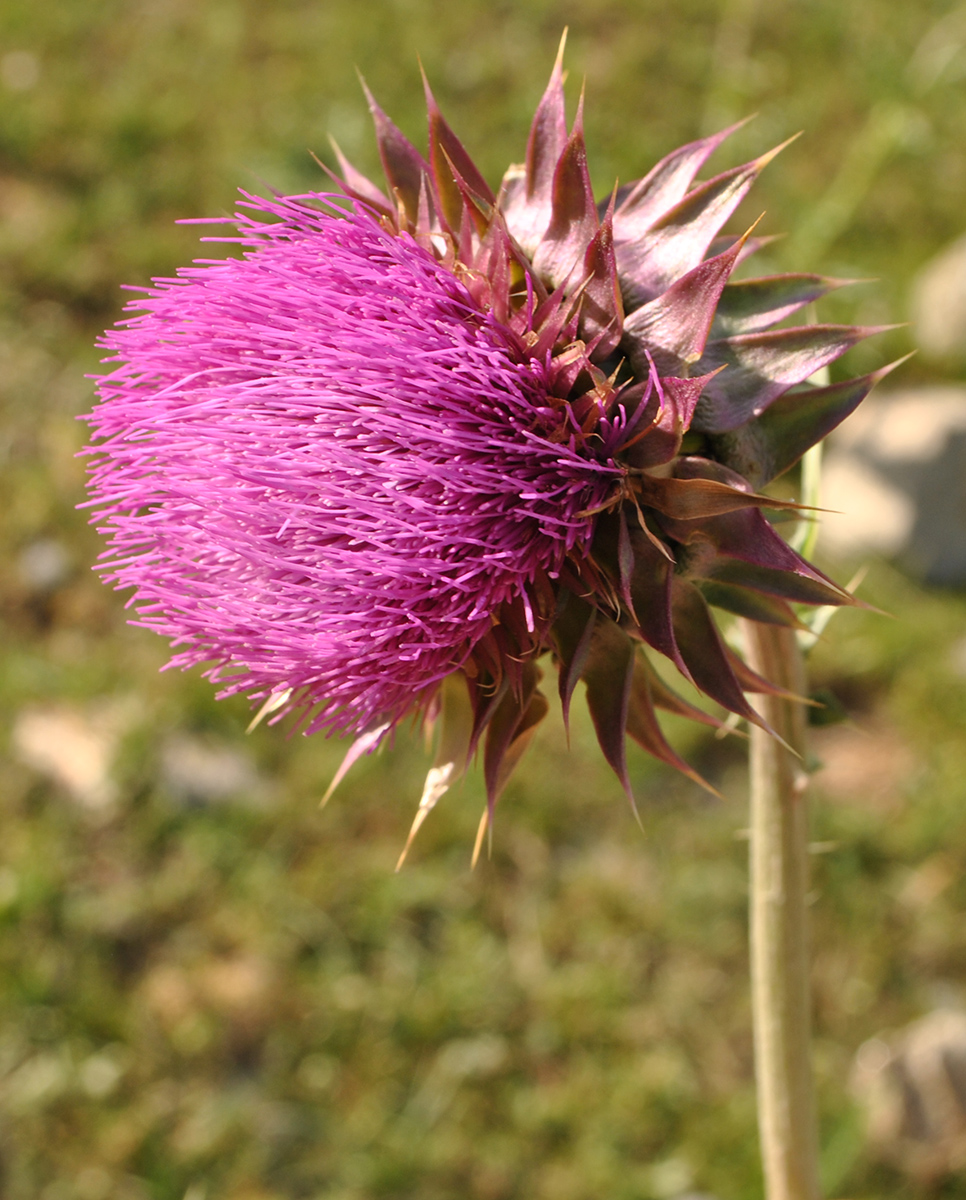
pixel 779 954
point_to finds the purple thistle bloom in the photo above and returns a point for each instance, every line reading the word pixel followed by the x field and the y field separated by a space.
pixel 415 439
pixel 323 468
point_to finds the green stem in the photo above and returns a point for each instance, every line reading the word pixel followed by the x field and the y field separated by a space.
pixel 779 941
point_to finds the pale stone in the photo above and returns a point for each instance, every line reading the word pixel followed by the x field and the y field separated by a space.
pixel 43 565
pixel 73 748
pixel 863 513
pixel 19 70
pixel 912 1085
pixel 939 304
pixel 894 480
pixel 868 767
pixel 199 770
pixel 911 425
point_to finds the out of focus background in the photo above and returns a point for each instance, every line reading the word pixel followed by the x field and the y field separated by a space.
pixel 209 988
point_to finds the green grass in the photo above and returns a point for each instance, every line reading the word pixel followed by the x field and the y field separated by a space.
pixel 239 998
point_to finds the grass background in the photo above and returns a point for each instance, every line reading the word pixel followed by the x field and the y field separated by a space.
pixel 235 997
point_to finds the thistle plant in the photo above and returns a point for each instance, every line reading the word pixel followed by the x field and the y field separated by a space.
pixel 418 438
pixel 423 442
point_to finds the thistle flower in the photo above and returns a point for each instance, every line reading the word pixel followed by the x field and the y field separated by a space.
pixel 414 439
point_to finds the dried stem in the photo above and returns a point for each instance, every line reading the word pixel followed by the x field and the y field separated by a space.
pixel 779 942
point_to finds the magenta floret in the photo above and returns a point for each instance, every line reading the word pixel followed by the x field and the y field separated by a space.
pixel 322 467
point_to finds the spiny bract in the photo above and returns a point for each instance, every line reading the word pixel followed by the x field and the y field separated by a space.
pixel 414 439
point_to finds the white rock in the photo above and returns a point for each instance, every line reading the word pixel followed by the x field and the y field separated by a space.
pixel 912 1085
pixel 73 748
pixel 43 565
pixel 19 70
pixel 894 479
pixel 865 514
pixel 199 770
pixel 907 425
pixel 939 304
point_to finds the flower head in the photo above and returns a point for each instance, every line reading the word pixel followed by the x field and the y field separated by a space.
pixel 412 440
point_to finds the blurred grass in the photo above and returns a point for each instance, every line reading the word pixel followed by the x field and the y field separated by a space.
pixel 235 996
